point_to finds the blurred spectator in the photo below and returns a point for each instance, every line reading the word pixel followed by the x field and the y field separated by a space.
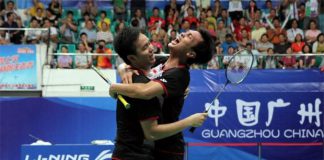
pixel 258 31
pixel 91 33
pixel 235 9
pixel 155 20
pixel 293 10
pixel 90 7
pixel 312 32
pixel 245 38
pixel 283 44
pixel 288 62
pixel 185 6
pixel 203 4
pixel 120 11
pixel 138 16
pixel 263 45
pixel 274 33
pixel 33 36
pixel 229 54
pixel 103 61
pixel 311 11
pixel 257 63
pixel 241 26
pixel 268 7
pixel 68 29
pixel 185 26
pixel 64 61
pixel 105 34
pixel 222 31
pixel 307 61
pixel 83 61
pixel 301 15
pixel 211 21
pixel 298 44
pixel 251 10
pixel 40 16
pixel 270 61
pixel 138 4
pixel 191 18
pixel 202 16
pixel 55 7
pixel 4 37
pixel 2 6
pixel 294 30
pixel 15 36
pixel 172 6
pixel 86 17
pixel 318 46
pixel 272 15
pixel 229 42
pixel 214 63
pixel 120 26
pixel 10 8
pixel 103 18
pixel 224 16
pixel 52 35
pixel 172 17
pixel 32 11
pixel 217 9
pixel 53 18
pixel 158 47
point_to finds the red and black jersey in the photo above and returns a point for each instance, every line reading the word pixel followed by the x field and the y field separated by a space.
pixel 130 137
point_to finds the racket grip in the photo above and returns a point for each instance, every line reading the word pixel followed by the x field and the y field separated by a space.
pixel 124 102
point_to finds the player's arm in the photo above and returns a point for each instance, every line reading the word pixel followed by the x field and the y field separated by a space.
pixel 138 90
pixel 154 131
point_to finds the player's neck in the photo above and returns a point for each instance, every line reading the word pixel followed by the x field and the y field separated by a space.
pixel 142 69
pixel 172 62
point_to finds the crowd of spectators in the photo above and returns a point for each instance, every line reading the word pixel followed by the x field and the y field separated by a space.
pixel 292 27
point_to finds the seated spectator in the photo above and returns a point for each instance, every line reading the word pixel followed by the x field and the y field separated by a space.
pixel 257 63
pixel 141 20
pixel 172 17
pixel 288 62
pixel 244 39
pixel 155 20
pixel 90 7
pixel 211 21
pixel 298 44
pixel 120 26
pixel 40 16
pixel 251 10
pixel 120 11
pixel 103 61
pixel 158 47
pixel 270 61
pixel 85 18
pixel 103 18
pixel 15 36
pixel 263 45
pixel 4 37
pixel 32 11
pixel 33 36
pixel 312 32
pixel 226 19
pixel 268 8
pixel 172 6
pixel 55 7
pixel 91 33
pixel 318 47
pixel 52 35
pixel 294 30
pixel 202 4
pixel 241 26
pixel 235 9
pixel 83 61
pixel 68 29
pixel 222 31
pixel 274 33
pixel 229 54
pixel 105 33
pixel 10 8
pixel 228 43
pixel 215 62
pixel 64 61
pixel 217 9
pixel 184 8
pixel 191 17
pixel 283 44
pixel 306 61
pixel 258 31
pixel 53 18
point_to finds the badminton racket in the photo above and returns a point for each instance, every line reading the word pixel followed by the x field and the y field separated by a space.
pixel 121 98
pixel 237 68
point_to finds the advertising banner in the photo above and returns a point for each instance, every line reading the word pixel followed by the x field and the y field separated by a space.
pixel 18 67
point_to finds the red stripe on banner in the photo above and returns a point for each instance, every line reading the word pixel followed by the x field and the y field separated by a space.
pixel 269 144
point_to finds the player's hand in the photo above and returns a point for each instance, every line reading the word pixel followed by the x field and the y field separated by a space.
pixel 197 119
pixel 112 93
pixel 127 75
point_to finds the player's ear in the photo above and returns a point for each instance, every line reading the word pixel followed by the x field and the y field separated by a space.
pixel 131 58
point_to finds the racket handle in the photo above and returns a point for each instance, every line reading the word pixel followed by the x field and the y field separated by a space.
pixel 192 129
pixel 124 102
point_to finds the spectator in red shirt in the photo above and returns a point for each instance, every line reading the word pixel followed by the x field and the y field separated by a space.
pixel 155 20
pixel 191 18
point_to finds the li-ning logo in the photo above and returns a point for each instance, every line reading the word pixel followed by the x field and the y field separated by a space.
pixel 104 155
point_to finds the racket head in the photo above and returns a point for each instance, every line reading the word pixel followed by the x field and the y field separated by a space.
pixel 239 66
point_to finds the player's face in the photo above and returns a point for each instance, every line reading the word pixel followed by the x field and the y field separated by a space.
pixel 145 56
pixel 184 42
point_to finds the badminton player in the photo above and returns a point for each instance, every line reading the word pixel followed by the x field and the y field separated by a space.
pixel 140 121
pixel 171 80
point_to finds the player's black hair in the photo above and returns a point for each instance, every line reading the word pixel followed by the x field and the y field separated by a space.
pixel 124 42
pixel 204 50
